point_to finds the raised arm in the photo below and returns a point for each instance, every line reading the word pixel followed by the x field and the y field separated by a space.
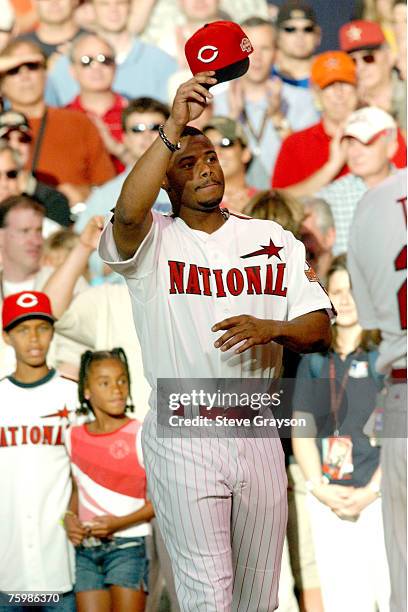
pixel 60 286
pixel 132 218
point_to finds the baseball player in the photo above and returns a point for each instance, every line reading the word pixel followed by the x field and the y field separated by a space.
pixel 36 404
pixel 377 260
pixel 221 503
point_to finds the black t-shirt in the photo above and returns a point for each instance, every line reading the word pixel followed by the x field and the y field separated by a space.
pixel 330 15
pixel 47 48
pixel 358 402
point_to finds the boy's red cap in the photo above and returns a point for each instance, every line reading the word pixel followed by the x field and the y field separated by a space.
pixel 222 46
pixel 25 305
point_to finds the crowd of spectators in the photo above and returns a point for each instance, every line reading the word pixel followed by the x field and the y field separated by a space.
pixel 318 120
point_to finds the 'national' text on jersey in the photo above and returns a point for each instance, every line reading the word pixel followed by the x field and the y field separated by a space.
pixel 252 280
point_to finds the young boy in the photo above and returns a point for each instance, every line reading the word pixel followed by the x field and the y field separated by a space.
pixel 36 407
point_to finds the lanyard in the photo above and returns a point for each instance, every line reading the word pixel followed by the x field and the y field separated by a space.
pixel 336 398
pixel 256 135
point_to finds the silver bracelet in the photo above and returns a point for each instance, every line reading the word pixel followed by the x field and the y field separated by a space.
pixel 169 145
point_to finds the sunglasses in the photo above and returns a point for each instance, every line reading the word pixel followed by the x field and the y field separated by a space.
pixel 31 66
pixel 367 58
pixel 291 29
pixel 10 174
pixel 144 127
pixel 225 143
pixel 103 60
pixel 22 137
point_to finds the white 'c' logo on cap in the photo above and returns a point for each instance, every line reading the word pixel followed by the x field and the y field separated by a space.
pixel 213 56
pixel 27 300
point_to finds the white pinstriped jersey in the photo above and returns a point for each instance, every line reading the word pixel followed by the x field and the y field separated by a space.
pixel 35 483
pixel 182 281
pixel 377 259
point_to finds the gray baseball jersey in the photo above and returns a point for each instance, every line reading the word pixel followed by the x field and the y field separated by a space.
pixel 378 263
pixel 377 259
pixel 221 503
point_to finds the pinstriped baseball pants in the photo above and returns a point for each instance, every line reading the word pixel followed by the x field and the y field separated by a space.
pixel 222 509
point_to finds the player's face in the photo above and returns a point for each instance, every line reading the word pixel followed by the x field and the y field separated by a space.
pixel 263 41
pixel 93 76
pixel 194 177
pixel 107 387
pixel 370 160
pixel 8 175
pixel 339 291
pixel 338 100
pixel 231 154
pixel 21 240
pixel 27 85
pixel 31 340
pixel 141 132
pixel 298 38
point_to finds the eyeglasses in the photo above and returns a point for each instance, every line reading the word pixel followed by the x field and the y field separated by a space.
pixel 367 58
pixel 291 29
pixel 10 174
pixel 31 66
pixel 103 60
pixel 144 127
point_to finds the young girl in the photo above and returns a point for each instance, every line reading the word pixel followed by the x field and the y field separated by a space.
pixel 108 515
pixel 340 466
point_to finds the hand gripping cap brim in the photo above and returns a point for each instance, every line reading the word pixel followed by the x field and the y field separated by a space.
pixel 221 46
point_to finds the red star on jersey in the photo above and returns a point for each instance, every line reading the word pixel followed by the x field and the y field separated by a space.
pixel 270 250
pixel 62 414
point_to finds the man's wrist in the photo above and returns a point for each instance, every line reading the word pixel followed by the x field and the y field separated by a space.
pixel 173 130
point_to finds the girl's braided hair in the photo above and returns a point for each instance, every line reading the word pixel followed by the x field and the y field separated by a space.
pixel 87 359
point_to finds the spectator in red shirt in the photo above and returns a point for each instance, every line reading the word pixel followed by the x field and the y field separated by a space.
pixel 93 66
pixel 312 158
pixel 67 150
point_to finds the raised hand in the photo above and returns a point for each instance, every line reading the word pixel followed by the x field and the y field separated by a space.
pixel 191 98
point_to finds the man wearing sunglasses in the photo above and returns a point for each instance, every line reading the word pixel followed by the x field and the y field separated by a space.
pixel 59 157
pixel 298 38
pixel 142 69
pixel 377 83
pixel 93 66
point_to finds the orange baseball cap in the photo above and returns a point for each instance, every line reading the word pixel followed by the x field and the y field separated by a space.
pixel 332 66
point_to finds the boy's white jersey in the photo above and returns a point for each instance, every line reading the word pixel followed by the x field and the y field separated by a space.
pixel 35 482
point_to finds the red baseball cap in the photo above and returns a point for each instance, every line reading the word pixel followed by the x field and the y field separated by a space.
pixel 360 34
pixel 222 46
pixel 25 305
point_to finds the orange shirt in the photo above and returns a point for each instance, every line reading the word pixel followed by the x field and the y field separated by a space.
pixel 72 150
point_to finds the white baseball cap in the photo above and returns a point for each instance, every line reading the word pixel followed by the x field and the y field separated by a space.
pixel 365 123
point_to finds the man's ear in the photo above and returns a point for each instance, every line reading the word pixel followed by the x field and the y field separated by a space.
pixel 246 155
pixel 1 237
pixel 6 338
pixel 330 237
